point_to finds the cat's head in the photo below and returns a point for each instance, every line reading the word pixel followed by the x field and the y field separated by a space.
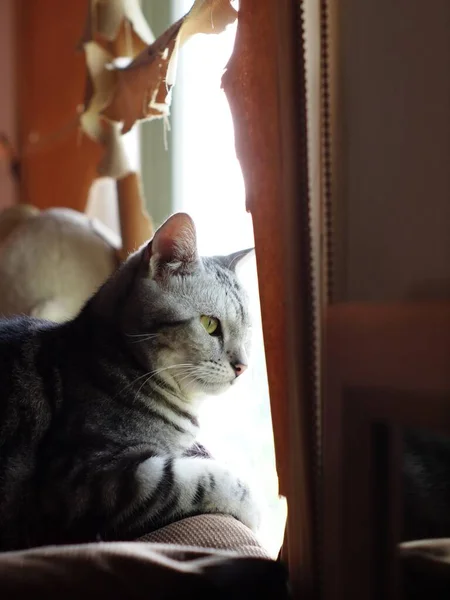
pixel 185 318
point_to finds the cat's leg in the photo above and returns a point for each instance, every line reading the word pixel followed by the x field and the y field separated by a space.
pixel 171 488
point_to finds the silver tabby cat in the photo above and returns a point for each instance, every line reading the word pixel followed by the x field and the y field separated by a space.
pixel 98 416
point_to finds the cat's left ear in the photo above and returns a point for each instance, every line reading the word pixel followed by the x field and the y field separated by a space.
pixel 236 259
pixel 173 248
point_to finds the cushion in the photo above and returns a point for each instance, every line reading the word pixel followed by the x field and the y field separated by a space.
pixel 220 532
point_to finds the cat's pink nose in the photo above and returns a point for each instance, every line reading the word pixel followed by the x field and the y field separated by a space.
pixel 239 368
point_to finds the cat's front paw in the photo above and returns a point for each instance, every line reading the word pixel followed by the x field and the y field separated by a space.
pixel 231 495
pixel 248 509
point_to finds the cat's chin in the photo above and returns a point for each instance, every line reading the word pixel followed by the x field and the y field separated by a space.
pixel 206 389
pixel 217 389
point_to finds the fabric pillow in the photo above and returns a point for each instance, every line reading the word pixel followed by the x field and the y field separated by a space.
pixel 220 532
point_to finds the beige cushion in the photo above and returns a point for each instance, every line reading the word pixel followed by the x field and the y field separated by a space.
pixel 220 532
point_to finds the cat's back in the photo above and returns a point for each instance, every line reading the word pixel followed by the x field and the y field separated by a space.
pixel 16 334
pixel 20 342
pixel 25 414
pixel 15 329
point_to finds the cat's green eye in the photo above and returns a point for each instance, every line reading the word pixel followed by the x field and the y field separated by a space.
pixel 211 324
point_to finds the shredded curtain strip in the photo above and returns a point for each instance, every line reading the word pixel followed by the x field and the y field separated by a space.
pixel 113 76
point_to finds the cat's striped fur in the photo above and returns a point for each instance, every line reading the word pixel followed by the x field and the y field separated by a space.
pixel 98 416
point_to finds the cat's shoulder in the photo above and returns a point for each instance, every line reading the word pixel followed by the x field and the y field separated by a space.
pixel 17 328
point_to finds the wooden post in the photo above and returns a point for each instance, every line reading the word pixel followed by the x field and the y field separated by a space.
pixel 58 162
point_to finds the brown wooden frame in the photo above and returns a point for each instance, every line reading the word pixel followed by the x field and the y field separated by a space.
pixel 388 367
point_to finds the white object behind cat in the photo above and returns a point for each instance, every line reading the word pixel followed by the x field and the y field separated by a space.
pixel 52 261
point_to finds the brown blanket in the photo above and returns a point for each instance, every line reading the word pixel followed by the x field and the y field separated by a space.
pixel 231 564
pixel 138 570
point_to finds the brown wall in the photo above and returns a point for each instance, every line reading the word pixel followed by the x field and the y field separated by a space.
pixel 392 149
pixel 7 95
pixel 51 87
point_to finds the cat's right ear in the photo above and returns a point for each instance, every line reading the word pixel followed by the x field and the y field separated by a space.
pixel 173 248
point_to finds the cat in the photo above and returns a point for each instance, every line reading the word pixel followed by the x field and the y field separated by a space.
pixel 99 415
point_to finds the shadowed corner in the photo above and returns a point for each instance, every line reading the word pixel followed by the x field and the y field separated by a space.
pixel 249 578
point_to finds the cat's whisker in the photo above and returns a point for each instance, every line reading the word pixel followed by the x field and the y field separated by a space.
pixel 144 339
pixel 152 374
pixel 142 385
pixel 130 384
pixel 188 376
pixel 140 335
pixel 184 373
pixel 197 374
pixel 179 365
pixel 186 370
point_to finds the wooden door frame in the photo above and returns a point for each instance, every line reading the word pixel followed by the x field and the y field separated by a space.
pixel 388 367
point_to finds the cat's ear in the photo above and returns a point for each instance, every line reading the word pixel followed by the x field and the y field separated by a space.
pixel 236 259
pixel 173 248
